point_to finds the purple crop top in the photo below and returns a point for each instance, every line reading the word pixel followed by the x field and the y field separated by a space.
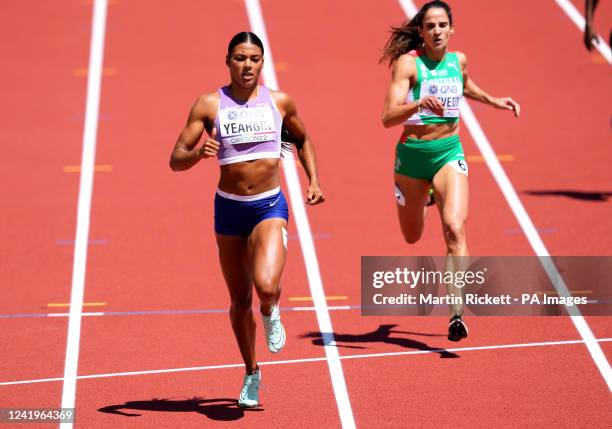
pixel 247 130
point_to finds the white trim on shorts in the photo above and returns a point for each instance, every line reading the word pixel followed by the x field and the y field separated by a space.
pixel 261 196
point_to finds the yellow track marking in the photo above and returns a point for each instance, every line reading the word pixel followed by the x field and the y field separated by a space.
pixel 83 71
pixel 479 158
pixel 85 304
pixel 309 298
pixel 77 168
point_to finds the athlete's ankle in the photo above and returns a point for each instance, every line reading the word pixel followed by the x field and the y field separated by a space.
pixel 267 308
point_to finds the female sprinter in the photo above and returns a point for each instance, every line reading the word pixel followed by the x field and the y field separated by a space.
pixel 244 122
pixel 427 84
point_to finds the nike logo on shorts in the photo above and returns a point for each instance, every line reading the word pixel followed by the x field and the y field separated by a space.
pixel 273 203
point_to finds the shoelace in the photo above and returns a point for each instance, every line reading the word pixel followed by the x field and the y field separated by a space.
pixel 273 326
pixel 250 386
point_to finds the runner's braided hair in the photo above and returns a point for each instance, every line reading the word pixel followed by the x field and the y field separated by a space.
pixel 244 37
pixel 406 38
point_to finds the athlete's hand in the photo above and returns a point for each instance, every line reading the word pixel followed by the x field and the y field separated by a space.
pixel 432 103
pixel 507 103
pixel 314 195
pixel 590 37
pixel 210 146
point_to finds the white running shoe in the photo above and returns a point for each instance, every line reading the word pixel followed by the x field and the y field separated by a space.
pixel 275 332
pixel 249 395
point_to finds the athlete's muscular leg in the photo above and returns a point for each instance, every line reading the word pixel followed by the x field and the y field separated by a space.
pixel 235 265
pixel 451 191
pixel 411 206
pixel 267 253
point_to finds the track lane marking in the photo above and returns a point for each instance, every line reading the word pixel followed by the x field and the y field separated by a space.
pixel 311 263
pixel 84 71
pixel 309 298
pixel 479 158
pixel 164 312
pixel 94 83
pixel 77 168
pixel 308 360
pixel 67 304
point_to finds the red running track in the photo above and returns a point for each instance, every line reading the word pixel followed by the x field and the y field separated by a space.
pixel 154 247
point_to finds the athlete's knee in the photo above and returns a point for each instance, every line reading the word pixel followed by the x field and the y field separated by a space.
pixel 454 232
pixel 266 285
pixel 241 301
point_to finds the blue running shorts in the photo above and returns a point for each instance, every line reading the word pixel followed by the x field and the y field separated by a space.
pixel 238 214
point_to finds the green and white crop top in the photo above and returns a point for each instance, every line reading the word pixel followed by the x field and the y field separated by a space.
pixel 443 80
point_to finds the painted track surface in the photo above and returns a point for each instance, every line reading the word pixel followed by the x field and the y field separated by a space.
pixel 42 106
pixel 154 248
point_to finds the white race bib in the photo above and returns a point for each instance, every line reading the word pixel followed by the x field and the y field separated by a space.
pixel 448 90
pixel 240 125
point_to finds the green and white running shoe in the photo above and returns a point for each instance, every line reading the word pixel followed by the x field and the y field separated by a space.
pixel 275 332
pixel 249 395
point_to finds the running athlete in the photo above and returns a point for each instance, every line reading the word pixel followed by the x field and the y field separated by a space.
pixel 244 122
pixel 427 85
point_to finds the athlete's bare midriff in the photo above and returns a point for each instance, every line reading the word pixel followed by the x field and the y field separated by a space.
pixel 250 177
pixel 431 131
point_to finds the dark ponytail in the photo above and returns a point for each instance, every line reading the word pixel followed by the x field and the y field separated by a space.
pixel 244 37
pixel 406 38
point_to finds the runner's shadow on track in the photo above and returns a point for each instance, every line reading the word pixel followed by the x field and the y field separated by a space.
pixel 382 335
pixel 222 409
pixel 577 195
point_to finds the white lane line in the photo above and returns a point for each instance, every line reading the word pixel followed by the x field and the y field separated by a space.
pixel 177 313
pixel 409 8
pixel 94 79
pixel 573 14
pixel 528 227
pixel 475 348
pixel 306 241
pixel 309 360
pixel 534 239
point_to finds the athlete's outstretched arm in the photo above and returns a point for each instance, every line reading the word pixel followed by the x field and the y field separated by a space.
pixel 305 148
pixel 185 154
pixel 472 91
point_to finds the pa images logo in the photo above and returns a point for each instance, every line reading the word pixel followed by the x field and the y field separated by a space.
pixel 232 115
